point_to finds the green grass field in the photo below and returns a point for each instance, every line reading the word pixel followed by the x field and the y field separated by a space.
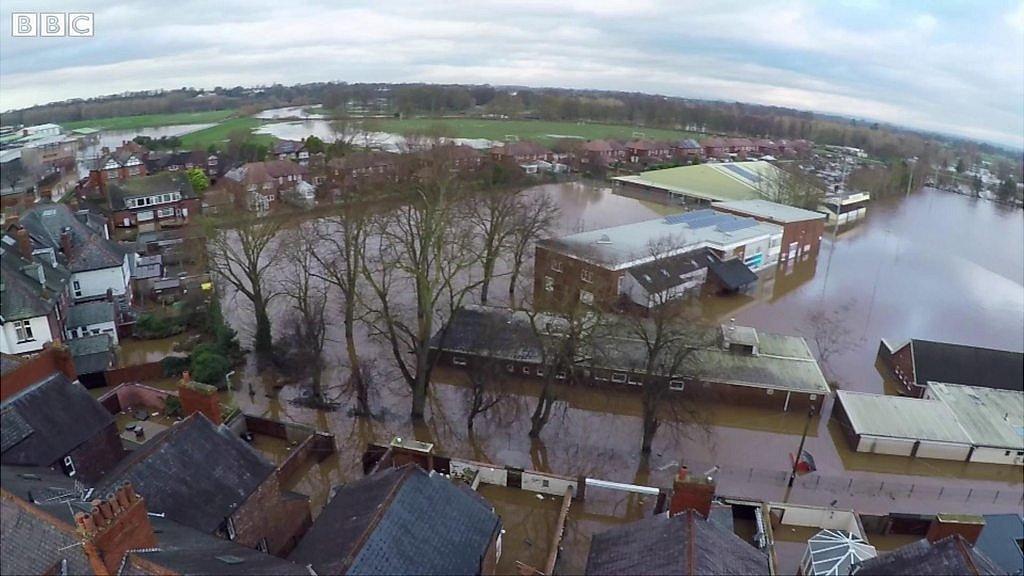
pixel 151 120
pixel 219 133
pixel 539 130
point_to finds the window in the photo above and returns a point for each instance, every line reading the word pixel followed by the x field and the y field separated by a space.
pixel 77 288
pixel 676 384
pixel 556 265
pixel 458 361
pixel 1007 453
pixel 231 529
pixel 586 275
pixel 24 330
pixel 560 375
pixel 540 371
pixel 526 370
pixel 262 546
pixel 69 466
pixel 511 368
pixel 165 212
pixel 634 380
pixel 549 284
pixel 586 297
pixel 618 377
pixel 545 483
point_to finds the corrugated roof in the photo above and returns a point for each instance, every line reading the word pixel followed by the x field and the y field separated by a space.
pixel 901 417
pixel 989 416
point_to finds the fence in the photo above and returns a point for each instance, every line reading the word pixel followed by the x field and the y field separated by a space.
pixel 892 489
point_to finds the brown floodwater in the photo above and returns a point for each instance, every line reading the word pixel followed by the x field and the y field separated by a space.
pixel 933 266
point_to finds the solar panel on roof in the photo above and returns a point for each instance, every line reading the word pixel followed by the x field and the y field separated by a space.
pixel 676 218
pixel 734 224
pixel 742 172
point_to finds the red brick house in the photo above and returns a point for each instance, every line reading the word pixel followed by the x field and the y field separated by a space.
pixel 742 146
pixel 126 161
pixel 520 152
pixel 801 229
pixel 259 185
pixel 164 199
pixel 364 168
pixel 687 149
pixel 641 151
pixel 715 147
pixel 597 152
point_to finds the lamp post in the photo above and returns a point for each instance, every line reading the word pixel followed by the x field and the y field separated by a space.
pixel 799 453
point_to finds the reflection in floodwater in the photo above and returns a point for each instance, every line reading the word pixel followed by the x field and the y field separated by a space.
pixel 907 275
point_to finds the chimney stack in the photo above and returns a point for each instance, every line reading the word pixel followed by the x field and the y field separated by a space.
pixel 691 492
pixel 65 241
pixel 198 397
pixel 24 244
pixel 115 526
pixel 969 526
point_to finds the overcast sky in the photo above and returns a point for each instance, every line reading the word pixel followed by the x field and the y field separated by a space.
pixel 954 67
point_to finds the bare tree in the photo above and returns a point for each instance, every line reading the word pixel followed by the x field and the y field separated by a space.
pixel 493 216
pixel 534 218
pixel 792 187
pixel 565 341
pixel 831 335
pixel 424 245
pixel 487 383
pixel 307 293
pixel 341 243
pixel 244 257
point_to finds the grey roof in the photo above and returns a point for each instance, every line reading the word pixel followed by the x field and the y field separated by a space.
pixel 665 273
pixel 400 521
pixel 91 354
pixel 951 555
pixel 632 244
pixel 195 472
pixel 61 414
pixel 1000 539
pixel 732 273
pixel 162 183
pixel 901 417
pixel 989 416
pixel 9 363
pixel 89 251
pixel 491 332
pixel 32 543
pixel 969 365
pixel 13 428
pixel 682 544
pixel 778 213
pixel 23 295
pixel 89 313
pixel 186 551
pixel 835 552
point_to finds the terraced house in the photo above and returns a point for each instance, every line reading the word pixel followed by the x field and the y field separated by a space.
pixel 151 202
pixel 33 297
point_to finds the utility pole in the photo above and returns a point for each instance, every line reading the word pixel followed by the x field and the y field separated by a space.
pixel 799 453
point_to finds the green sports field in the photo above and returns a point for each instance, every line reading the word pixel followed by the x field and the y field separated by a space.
pixel 538 130
pixel 151 120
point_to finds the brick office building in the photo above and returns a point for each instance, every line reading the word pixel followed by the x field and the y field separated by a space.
pixel 916 363
pixel 801 229
pixel 595 267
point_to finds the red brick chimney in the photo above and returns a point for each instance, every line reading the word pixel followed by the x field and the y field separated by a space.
pixel 113 527
pixel 691 492
pixel 968 526
pixel 65 241
pixel 197 397
pixel 24 244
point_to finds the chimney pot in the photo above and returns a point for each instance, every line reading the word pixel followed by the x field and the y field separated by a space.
pixel 88 523
pixel 108 511
pixel 691 493
pixel 97 514
pixel 122 497
pixel 129 491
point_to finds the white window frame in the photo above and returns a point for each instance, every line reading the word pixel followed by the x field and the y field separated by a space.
pixel 556 265
pixel 69 466
pixel 586 297
pixel 549 284
pixel 587 275
pixel 23 329
pixel 458 360
pixel 76 287
pixel 619 377
pixel 678 385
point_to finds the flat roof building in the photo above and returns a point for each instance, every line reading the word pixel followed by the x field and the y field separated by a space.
pixel 951 422
pixel 706 183
pixel 917 363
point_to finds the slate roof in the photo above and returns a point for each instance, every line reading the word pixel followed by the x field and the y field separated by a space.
pixel 31 542
pixel 90 250
pixel 400 521
pixel 195 472
pixel 161 183
pixel 89 313
pixel 261 172
pixel 968 365
pixel 684 544
pixel 1000 539
pixel 23 296
pixel 951 555
pixel 492 332
pixel 288 146
pixel 733 273
pixel 61 414
pixel 663 274
pixel 91 354
pixel 186 551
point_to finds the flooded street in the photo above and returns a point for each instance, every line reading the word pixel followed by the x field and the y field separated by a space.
pixel 934 266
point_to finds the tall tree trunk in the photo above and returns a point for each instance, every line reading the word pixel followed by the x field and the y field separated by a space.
pixel 420 383
pixel 488 266
pixel 512 284
pixel 263 342
pixel 542 412
pixel 356 371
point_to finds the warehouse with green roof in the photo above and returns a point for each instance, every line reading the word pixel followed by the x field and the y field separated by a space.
pixel 706 183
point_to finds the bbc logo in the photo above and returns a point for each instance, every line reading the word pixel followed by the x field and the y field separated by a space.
pixel 52 24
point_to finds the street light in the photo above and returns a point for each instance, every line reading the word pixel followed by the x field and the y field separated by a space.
pixel 800 450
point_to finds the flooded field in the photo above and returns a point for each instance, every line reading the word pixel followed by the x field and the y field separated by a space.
pixel 933 266
pixel 314 126
pixel 113 138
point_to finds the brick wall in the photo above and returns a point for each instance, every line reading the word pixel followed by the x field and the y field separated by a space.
pixel 53 358
pixel 268 513
pixel 136 373
pixel 901 363
pixel 568 281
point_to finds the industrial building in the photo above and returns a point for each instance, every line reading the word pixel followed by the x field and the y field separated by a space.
pixel 706 183
pixel 952 422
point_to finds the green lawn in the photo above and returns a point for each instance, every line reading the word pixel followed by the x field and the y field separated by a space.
pixel 539 130
pixel 150 120
pixel 219 133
